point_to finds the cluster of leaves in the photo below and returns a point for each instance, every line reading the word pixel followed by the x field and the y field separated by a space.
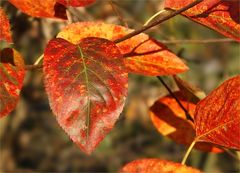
pixel 86 79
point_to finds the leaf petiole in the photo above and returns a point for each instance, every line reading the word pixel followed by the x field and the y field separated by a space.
pixel 188 152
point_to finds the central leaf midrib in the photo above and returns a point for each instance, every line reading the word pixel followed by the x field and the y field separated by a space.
pixel 88 92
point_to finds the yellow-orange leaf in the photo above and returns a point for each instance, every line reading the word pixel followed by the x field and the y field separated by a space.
pixel 217 117
pixel 142 54
pixel 170 120
pixel 156 166
pixel 41 8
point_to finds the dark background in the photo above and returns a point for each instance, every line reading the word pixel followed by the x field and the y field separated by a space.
pixel 32 141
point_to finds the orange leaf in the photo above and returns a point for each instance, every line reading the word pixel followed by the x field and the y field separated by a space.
pixel 156 166
pixel 5 33
pixel 86 87
pixel 41 8
pixel 170 120
pixel 217 117
pixel 143 55
pixel 76 3
pixel 222 16
pixel 11 79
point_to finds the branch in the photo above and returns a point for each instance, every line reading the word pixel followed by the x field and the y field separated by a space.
pixel 160 20
pixel 33 67
pixel 177 100
pixel 206 41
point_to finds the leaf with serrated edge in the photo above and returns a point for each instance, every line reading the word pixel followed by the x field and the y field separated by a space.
pixel 142 55
pixel 41 8
pixel 222 16
pixel 156 166
pixel 5 33
pixel 86 87
pixel 217 117
pixel 11 79
pixel 170 120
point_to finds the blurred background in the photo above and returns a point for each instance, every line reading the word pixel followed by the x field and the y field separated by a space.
pixel 32 141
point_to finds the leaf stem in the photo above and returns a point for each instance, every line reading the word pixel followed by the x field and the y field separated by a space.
pixel 177 100
pixel 157 22
pixel 152 17
pixel 39 59
pixel 188 152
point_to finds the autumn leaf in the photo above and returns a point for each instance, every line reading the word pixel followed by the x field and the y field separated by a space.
pixel 170 120
pixel 142 55
pixel 5 33
pixel 222 16
pixel 11 79
pixel 190 92
pixel 41 8
pixel 156 166
pixel 86 86
pixel 217 117
pixel 76 3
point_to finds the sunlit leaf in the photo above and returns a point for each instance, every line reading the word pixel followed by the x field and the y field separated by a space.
pixel 222 16
pixel 87 86
pixel 142 54
pixel 217 117
pixel 11 79
pixel 156 166
pixel 170 120
pixel 191 92
pixel 76 3
pixel 41 8
pixel 5 33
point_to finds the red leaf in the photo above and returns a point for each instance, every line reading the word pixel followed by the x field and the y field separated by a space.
pixel 220 15
pixel 170 120
pixel 11 75
pixel 76 3
pixel 5 33
pixel 143 55
pixel 86 86
pixel 41 8
pixel 156 166
pixel 217 117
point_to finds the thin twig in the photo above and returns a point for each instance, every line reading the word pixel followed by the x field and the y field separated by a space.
pixel 177 100
pixel 157 22
pixel 33 67
pixel 118 14
pixel 206 41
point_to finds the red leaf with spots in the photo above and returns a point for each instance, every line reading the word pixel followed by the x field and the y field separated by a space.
pixel 11 79
pixel 217 117
pixel 222 16
pixel 156 166
pixel 142 54
pixel 170 120
pixel 41 8
pixel 76 3
pixel 5 33
pixel 86 86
